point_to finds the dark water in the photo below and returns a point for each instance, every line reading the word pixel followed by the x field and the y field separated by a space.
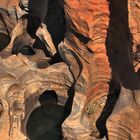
pixel 45 123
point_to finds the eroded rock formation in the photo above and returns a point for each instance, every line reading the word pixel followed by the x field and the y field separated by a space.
pixel 100 54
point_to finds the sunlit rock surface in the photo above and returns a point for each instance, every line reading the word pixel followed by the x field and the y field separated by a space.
pixel 98 46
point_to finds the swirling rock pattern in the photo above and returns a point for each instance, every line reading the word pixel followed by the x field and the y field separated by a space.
pixel 98 65
pixel 87 23
pixel 20 90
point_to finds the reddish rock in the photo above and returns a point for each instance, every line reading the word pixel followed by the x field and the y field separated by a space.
pixel 98 56
pixel 87 23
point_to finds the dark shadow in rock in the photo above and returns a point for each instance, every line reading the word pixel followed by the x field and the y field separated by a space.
pixel 25 50
pixel 55 21
pixel 56 59
pixel 119 46
pixel 51 13
pixel 69 103
pixel 23 44
pixel 4 41
pixel 45 121
pixel 112 98
pixel 119 52
pixel 38 44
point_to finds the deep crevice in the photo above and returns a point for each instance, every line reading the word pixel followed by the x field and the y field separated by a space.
pixel 46 120
pixel 118 46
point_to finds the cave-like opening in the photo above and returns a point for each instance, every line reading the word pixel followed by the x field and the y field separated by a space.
pixel 45 121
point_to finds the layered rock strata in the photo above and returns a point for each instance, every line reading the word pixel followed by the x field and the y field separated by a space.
pixel 97 52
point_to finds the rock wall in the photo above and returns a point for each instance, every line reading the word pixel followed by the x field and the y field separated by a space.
pixel 86 30
pixel 100 53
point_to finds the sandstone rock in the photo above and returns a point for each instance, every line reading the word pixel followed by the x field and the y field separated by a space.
pixel 24 86
pixel 98 60
pixel 87 23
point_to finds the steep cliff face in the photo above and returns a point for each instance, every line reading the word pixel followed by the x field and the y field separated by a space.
pixel 100 49
pixel 86 30
pixel 104 33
